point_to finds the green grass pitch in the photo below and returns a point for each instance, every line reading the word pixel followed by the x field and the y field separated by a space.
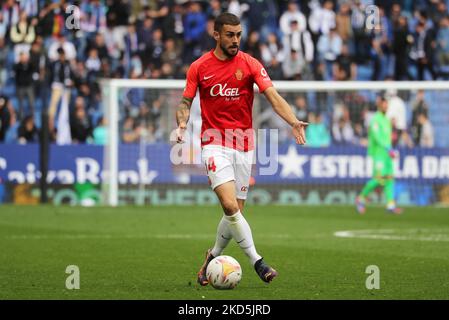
pixel 155 252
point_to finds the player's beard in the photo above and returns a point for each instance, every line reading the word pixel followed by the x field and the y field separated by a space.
pixel 227 52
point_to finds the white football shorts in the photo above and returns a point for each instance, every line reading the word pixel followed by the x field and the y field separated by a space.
pixel 225 164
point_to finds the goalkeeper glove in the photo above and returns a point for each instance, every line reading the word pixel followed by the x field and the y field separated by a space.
pixel 393 153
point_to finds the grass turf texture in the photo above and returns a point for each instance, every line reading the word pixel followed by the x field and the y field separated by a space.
pixel 155 252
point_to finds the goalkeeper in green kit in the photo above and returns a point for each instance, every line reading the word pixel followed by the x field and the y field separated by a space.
pixel 382 154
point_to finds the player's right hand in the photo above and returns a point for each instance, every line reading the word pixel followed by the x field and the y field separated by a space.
pixel 299 131
pixel 180 132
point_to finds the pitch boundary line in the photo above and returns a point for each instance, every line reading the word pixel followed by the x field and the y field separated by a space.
pixel 440 235
pixel 124 236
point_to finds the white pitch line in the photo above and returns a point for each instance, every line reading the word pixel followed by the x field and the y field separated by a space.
pixel 398 234
pixel 123 236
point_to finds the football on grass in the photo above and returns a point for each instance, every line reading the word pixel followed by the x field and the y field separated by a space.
pixel 224 272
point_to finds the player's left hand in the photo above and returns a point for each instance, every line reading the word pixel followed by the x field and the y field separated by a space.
pixel 299 131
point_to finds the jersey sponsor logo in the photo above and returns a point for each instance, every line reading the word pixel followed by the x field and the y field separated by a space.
pixel 239 74
pixel 208 77
pixel 224 91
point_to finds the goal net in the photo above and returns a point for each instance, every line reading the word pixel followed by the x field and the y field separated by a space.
pixel 142 165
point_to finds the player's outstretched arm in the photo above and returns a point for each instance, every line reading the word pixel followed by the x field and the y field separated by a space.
pixel 283 109
pixel 182 117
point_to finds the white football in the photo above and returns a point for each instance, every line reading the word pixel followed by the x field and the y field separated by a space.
pixel 224 272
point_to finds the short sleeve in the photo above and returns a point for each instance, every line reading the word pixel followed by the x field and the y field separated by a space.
pixel 261 77
pixel 191 82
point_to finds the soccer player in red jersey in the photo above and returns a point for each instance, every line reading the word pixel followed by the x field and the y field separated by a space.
pixel 225 79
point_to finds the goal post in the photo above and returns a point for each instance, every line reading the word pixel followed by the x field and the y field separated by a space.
pixel 114 92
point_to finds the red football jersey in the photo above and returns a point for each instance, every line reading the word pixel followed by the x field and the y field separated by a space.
pixel 226 97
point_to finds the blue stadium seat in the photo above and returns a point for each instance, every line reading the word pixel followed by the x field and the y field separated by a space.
pixel 364 72
pixel 11 134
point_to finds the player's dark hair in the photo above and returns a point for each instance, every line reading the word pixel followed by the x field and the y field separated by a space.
pixel 225 18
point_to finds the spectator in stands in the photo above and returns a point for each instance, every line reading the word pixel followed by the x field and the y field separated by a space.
pixel 23 72
pixel 194 26
pixel 214 9
pixel 145 39
pixel 341 118
pixel 156 49
pixel 271 53
pixel 80 74
pixel 22 34
pixel 427 134
pixel 237 8
pixel 419 106
pixel 3 27
pixel 301 108
pixel 167 71
pixel 93 65
pixel 80 123
pixel 30 7
pixel 160 13
pixel 131 47
pixel 402 40
pixel 10 14
pixel 360 135
pixel 3 60
pixel 439 11
pixel 130 133
pixel 176 24
pixel 343 23
pixel 345 67
pixel 99 43
pixel 443 42
pixel 317 134
pixel 117 18
pixel 380 51
pixel 93 17
pixel 403 139
pixel 88 92
pixel 46 20
pixel 252 46
pixel 321 20
pixel 342 131
pixel 100 132
pixel 301 42
pixel 38 62
pixel 397 113
pixel 361 37
pixel 329 48
pixel 60 15
pixel 207 41
pixel 292 14
pixel 376 55
pixel 61 80
pixel 262 17
pixel 171 55
pixel 7 116
pixel 68 47
pixel 395 14
pixel 422 51
pixel 27 132
pixel 292 65
pixel 397 110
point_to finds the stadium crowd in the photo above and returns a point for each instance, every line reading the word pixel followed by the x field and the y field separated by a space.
pixel 51 54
